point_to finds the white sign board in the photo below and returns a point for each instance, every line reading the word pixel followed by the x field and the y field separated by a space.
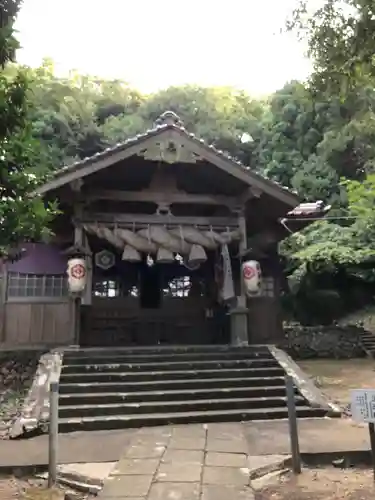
pixel 363 405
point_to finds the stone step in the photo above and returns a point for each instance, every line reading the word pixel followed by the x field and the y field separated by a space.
pixel 163 349
pixel 92 398
pixel 132 387
pixel 153 357
pixel 136 420
pixel 153 385
pixel 170 365
pixel 169 375
pixel 175 406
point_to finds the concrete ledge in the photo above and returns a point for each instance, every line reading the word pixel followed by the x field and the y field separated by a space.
pixel 36 406
pixel 341 459
pixel 6 348
pixel 265 464
pixel 23 470
pixel 304 383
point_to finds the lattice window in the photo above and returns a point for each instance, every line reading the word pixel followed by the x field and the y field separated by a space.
pixel 107 289
pixel 268 287
pixel 178 287
pixel 36 285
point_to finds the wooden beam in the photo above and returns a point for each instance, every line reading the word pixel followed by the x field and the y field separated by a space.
pixel 76 301
pixel 102 161
pixel 129 220
pixel 260 241
pixel 160 197
pixel 76 185
pixel 87 295
pixel 96 164
pixel 78 231
pixel 249 194
pixel 242 248
pixel 244 174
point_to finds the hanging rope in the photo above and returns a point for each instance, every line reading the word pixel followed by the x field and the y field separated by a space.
pixel 181 240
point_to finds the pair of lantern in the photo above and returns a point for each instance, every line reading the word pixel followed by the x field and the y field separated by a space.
pixel 77 275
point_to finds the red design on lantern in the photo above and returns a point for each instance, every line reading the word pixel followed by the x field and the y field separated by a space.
pixel 248 272
pixel 78 271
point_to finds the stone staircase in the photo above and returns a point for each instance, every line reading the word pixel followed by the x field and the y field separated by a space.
pixel 135 387
pixel 368 343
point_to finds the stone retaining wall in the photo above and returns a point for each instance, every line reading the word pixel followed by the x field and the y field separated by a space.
pixel 303 342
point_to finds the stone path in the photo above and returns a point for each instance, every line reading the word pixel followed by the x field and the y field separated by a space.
pixel 264 438
pixel 76 447
pixel 196 462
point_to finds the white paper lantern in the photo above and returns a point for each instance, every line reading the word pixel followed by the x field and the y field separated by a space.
pixel 252 277
pixel 77 275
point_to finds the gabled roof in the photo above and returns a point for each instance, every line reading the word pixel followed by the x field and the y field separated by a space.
pixel 169 124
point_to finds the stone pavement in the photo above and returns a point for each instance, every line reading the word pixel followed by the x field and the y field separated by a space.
pixel 75 447
pixel 264 438
pixel 196 462
pixel 320 435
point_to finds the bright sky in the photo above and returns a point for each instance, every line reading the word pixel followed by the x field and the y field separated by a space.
pixel 156 43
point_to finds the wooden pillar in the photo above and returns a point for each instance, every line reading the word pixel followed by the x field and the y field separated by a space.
pixel 78 242
pixel 239 311
pixel 87 296
pixel 278 279
pixel 3 297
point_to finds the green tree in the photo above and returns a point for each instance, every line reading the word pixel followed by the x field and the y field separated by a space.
pixel 22 162
pixel 220 115
pixel 340 42
pixel 68 113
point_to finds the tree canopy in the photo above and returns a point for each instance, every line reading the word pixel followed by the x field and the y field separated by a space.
pixel 22 161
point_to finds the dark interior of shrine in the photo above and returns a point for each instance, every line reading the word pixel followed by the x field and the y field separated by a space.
pixel 149 302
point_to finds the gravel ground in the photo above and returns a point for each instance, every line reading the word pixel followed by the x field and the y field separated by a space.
pixel 16 375
pixel 337 377
pixel 322 484
pixel 34 489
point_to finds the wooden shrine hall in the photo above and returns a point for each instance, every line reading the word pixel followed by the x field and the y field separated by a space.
pixel 166 221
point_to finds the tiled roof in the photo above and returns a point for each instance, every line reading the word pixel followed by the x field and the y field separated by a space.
pixel 111 150
pixel 170 121
pixel 309 209
pixel 167 121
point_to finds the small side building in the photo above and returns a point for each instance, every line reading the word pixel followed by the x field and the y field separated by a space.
pixel 168 219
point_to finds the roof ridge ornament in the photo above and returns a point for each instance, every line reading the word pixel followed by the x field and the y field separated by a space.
pixel 169 118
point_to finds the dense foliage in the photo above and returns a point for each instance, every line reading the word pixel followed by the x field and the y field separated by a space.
pixel 22 160
pixel 333 261
pixel 318 138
